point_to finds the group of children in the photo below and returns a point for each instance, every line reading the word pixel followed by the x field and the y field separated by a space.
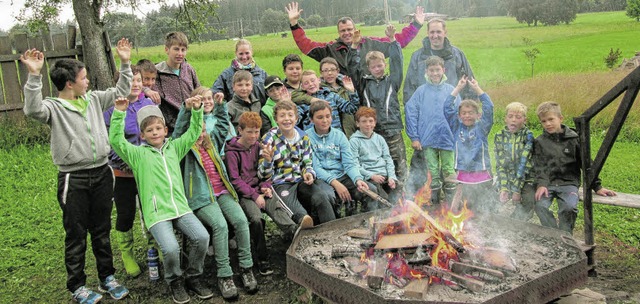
pixel 305 153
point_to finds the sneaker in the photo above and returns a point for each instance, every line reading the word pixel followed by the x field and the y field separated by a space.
pixel 249 281
pixel 265 268
pixel 178 292
pixel 228 288
pixel 113 288
pixel 85 295
pixel 306 222
pixel 194 284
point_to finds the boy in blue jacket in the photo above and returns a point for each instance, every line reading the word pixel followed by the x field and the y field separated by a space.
pixel 334 163
pixel 429 131
pixel 471 129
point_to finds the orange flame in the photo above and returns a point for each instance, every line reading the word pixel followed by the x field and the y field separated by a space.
pixel 423 195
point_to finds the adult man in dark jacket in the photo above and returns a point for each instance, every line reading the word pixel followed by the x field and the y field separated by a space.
pixel 340 49
pixel 456 65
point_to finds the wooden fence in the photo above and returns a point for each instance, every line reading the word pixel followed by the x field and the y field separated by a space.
pixel 56 46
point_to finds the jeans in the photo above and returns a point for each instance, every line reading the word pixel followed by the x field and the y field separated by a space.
pixel 198 243
pixel 351 208
pixel 398 153
pixel 256 227
pixel 567 197
pixel 318 198
pixel 85 197
pixel 216 216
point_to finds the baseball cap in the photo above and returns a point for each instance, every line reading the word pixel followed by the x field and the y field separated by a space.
pixel 146 111
pixel 272 80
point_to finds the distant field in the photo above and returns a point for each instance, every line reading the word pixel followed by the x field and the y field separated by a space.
pixel 493 45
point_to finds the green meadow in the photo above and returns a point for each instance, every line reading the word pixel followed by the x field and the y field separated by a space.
pixel 570 69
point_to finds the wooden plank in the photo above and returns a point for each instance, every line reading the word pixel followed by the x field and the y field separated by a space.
pixel 71 36
pixel 463 268
pixel 22 44
pixel 409 240
pixel 12 94
pixel 360 233
pixel 417 289
pixel 60 42
pixel 620 200
pixel 468 283
pixel 11 107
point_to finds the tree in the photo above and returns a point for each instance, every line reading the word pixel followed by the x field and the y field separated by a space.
pixel 273 21
pixel 633 9
pixel 315 21
pixel 38 13
pixel 555 12
pixel 525 11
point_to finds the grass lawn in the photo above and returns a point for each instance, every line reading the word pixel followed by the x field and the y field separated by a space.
pixel 570 69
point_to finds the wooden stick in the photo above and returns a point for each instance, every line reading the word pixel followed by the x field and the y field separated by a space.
pixel 448 237
pixel 469 283
pixel 463 268
pixel 377 197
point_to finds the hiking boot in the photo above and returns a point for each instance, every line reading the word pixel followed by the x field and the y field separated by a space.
pixel 113 288
pixel 84 295
pixel 178 292
pixel 264 268
pixel 194 284
pixel 306 222
pixel 249 281
pixel 228 288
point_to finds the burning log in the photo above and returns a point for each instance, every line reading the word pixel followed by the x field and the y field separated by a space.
pixel 397 241
pixel 448 237
pixel 468 283
pixel 463 268
pixel 493 258
pixel 360 233
pixel 417 289
pixel 378 273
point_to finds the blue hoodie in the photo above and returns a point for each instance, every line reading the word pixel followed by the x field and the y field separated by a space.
pixel 372 155
pixel 332 156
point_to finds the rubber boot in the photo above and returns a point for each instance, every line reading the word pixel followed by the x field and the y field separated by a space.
pixel 449 192
pixel 435 196
pixel 125 242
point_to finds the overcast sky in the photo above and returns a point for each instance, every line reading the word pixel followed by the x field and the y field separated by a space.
pixel 10 9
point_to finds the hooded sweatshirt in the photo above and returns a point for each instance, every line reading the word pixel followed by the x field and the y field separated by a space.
pixel 79 140
pixel 242 165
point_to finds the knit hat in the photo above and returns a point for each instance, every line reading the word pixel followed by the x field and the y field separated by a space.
pixel 150 110
pixel 271 81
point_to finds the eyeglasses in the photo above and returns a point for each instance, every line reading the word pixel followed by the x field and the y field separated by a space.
pixel 329 70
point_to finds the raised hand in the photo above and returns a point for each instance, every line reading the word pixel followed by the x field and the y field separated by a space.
pixel 218 98
pixel 419 16
pixel 123 48
pixel 193 102
pixel 285 94
pixel 347 83
pixel 121 103
pixel 473 83
pixel 357 38
pixel 34 60
pixel 267 151
pixel 460 86
pixel 390 31
pixel 293 12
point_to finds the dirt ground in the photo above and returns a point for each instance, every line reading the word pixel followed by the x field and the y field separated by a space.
pixel 618 277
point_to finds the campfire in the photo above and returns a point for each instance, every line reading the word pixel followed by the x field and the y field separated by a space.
pixel 409 254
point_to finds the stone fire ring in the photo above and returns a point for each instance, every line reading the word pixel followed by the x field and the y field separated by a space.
pixel 557 277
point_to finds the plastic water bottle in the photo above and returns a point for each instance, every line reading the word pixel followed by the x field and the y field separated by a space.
pixel 154 264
